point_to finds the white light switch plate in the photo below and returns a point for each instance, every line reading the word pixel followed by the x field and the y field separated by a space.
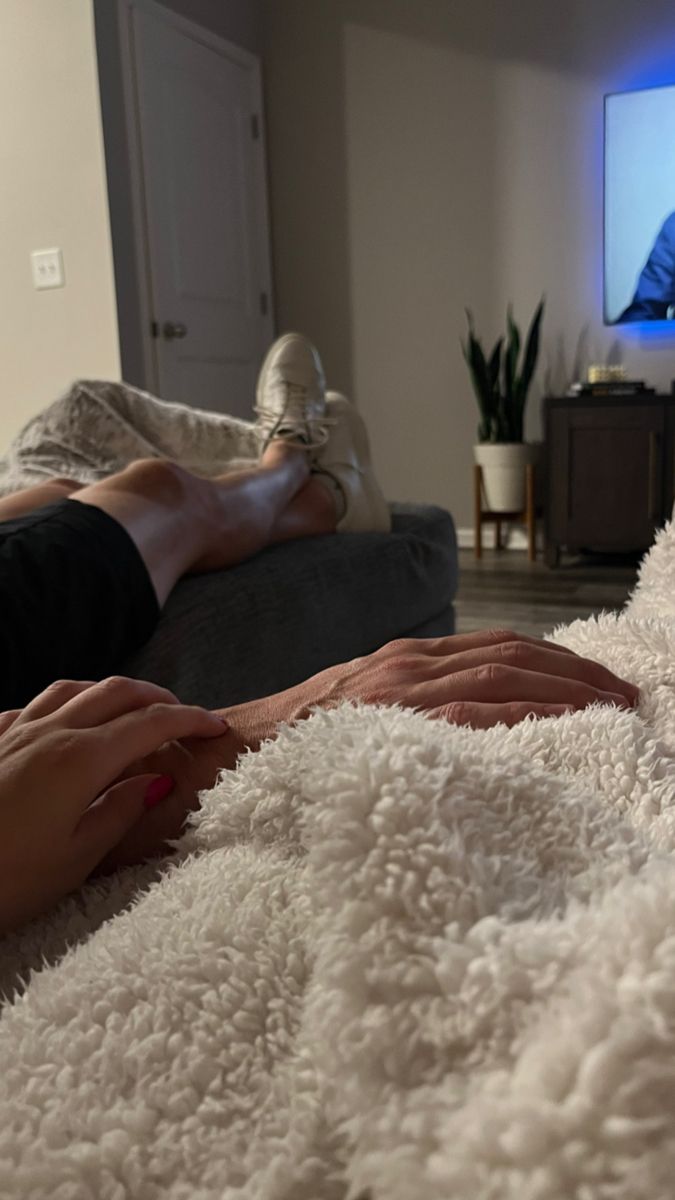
pixel 47 268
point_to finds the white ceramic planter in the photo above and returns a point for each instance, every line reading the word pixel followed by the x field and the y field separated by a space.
pixel 503 466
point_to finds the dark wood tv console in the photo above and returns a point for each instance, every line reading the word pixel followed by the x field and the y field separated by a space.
pixel 610 472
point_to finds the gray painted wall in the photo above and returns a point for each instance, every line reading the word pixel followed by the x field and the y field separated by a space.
pixel 426 155
pixel 239 21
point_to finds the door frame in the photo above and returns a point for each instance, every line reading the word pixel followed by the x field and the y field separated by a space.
pixel 127 196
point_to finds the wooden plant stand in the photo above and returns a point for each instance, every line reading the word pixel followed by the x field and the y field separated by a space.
pixel 481 515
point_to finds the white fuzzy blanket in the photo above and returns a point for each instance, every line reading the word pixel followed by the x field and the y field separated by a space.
pixel 397 960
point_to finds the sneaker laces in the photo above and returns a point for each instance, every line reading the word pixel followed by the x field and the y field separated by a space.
pixel 293 422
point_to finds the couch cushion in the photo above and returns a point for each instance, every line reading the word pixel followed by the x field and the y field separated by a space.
pixel 266 624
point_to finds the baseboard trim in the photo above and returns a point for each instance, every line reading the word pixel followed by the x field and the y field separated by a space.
pixel 514 537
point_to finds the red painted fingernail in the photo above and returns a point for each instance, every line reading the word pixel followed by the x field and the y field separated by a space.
pixel 158 790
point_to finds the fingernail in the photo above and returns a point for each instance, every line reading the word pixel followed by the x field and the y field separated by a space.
pixel 158 790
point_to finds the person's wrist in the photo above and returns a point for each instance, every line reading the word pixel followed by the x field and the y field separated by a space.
pixel 256 721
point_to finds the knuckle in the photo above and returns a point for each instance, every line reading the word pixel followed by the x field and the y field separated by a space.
pixel 517 710
pixel 398 646
pixel 456 712
pixel 60 686
pixel 497 636
pixel 491 673
pixel 514 651
pixel 119 684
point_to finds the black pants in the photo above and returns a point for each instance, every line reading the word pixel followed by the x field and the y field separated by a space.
pixel 75 599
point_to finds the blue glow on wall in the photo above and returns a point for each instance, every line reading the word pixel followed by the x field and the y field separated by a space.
pixel 647 331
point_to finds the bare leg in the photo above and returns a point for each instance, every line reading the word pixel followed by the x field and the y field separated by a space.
pixel 181 523
pixel 310 513
pixel 32 498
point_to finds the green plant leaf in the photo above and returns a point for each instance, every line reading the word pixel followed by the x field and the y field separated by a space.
pixel 530 358
pixel 481 373
pixel 507 430
pixel 480 378
pixel 495 364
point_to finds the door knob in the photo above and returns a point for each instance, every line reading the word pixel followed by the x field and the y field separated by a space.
pixel 174 329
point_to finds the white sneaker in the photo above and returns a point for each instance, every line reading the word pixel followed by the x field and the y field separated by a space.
pixel 291 393
pixel 345 460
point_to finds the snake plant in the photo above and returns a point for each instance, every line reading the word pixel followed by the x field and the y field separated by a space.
pixel 502 380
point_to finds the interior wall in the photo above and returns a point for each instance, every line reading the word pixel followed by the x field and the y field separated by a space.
pixel 52 195
pixel 431 156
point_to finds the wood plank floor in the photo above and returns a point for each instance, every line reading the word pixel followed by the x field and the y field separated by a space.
pixel 506 590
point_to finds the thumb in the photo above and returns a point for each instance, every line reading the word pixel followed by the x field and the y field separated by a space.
pixel 116 811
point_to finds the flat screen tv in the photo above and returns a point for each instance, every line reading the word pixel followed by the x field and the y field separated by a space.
pixel 640 206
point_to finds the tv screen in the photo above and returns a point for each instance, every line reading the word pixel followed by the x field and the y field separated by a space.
pixel 640 206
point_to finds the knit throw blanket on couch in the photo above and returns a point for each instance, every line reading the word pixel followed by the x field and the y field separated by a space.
pixel 96 428
pixel 394 960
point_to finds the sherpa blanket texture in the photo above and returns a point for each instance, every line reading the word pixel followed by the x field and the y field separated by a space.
pixel 393 959
pixel 97 427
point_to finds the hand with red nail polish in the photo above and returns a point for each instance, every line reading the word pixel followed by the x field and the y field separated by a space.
pixel 189 766
pixel 67 795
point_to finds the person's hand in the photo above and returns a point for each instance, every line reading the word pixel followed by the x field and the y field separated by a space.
pixel 479 679
pixel 60 805
pixel 194 765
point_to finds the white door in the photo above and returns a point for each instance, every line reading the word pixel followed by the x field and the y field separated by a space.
pixel 204 206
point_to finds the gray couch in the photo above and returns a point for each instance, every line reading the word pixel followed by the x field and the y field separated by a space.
pixel 262 626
